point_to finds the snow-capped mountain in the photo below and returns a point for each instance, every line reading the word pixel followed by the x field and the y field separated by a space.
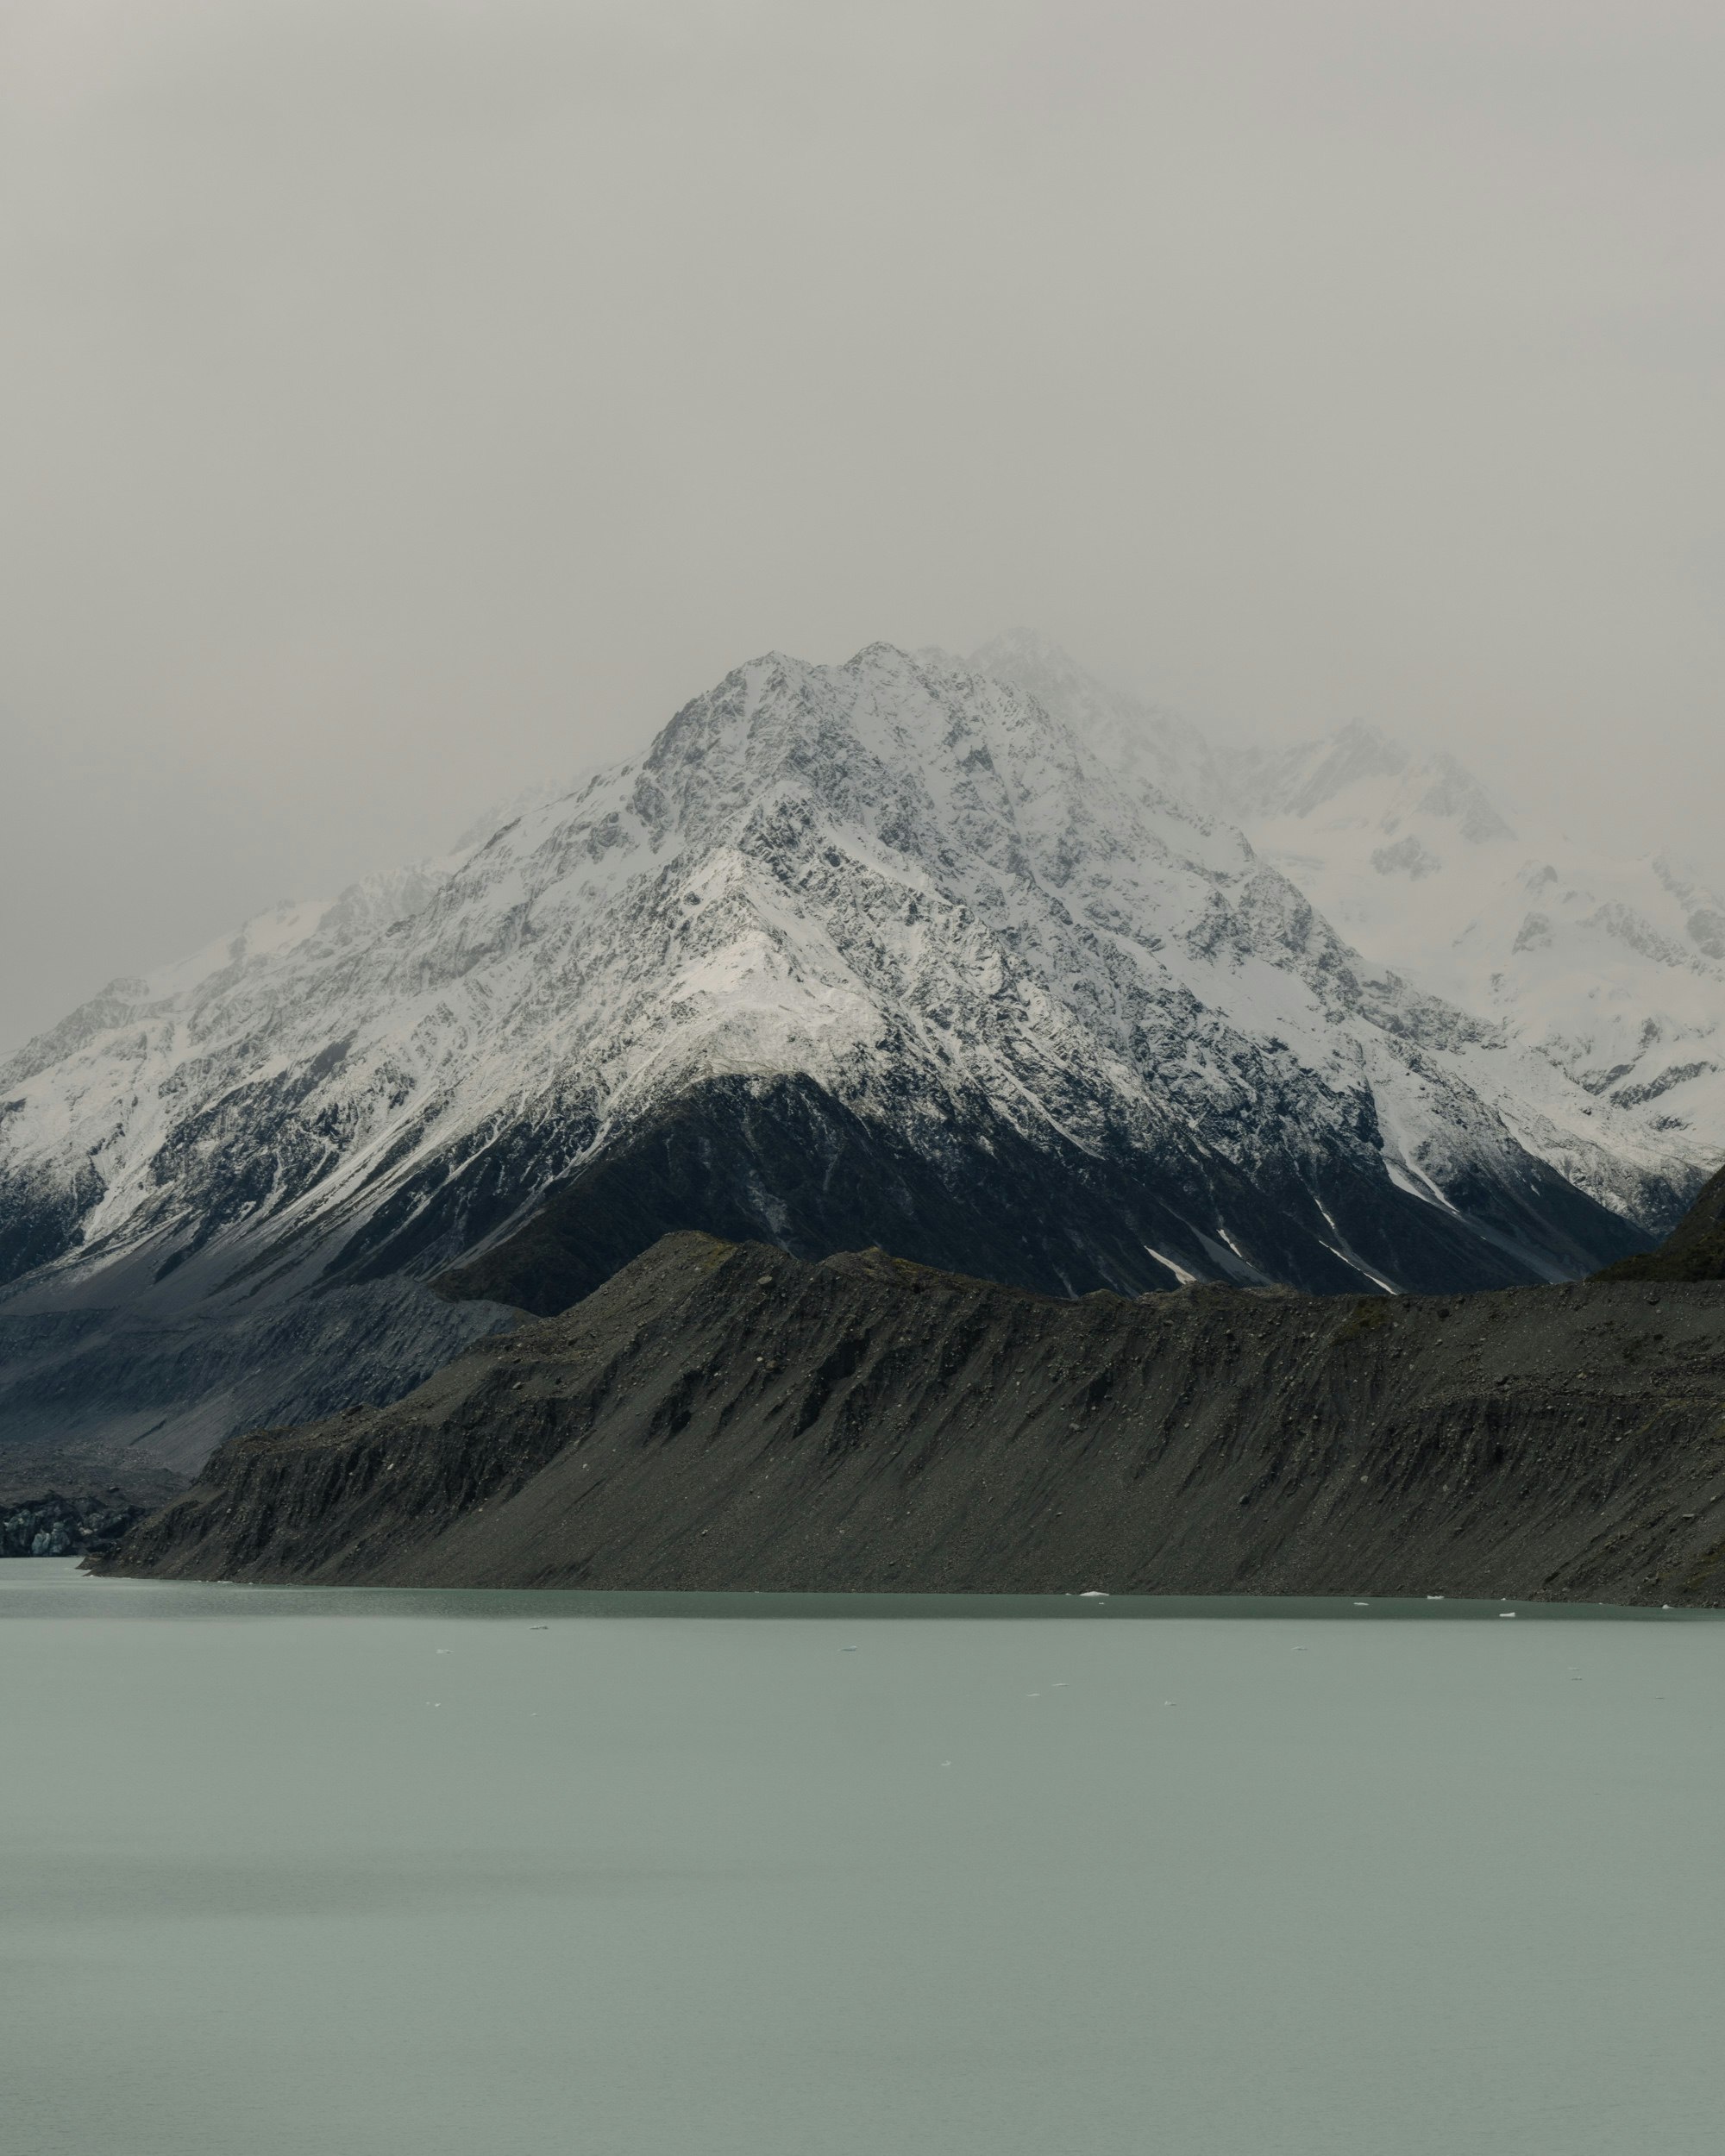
pixel 879 952
pixel 1611 968
pixel 1609 973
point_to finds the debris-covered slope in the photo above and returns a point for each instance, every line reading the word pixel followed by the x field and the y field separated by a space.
pixel 87 1395
pixel 721 1416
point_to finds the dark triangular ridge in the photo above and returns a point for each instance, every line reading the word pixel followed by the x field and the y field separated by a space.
pixel 1695 1249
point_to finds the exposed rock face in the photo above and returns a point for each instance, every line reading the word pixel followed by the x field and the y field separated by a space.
pixel 738 1158
pixel 729 1417
pixel 55 1526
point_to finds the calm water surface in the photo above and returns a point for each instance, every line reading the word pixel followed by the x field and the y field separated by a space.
pixel 300 1872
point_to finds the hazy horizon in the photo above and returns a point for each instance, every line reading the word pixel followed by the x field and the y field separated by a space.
pixel 416 401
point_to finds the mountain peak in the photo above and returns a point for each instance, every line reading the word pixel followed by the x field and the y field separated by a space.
pixel 1360 749
pixel 894 951
pixel 1450 789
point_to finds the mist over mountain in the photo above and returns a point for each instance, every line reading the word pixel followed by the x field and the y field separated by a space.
pixel 1609 966
pixel 969 961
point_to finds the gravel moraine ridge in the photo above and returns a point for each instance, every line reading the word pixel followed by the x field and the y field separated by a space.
pixel 723 1416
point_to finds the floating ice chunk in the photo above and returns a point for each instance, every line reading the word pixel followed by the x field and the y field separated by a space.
pixel 1094 1594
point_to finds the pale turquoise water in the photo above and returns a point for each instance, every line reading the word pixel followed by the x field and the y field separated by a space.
pixel 416 1876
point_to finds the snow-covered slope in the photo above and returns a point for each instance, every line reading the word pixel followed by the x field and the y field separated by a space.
pixel 1598 982
pixel 1612 967
pixel 875 952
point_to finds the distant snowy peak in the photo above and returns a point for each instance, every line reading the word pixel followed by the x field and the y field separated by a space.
pixel 1611 970
pixel 1360 776
pixel 1702 909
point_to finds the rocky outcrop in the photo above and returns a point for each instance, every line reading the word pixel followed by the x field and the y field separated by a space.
pixel 725 1416
pixel 52 1525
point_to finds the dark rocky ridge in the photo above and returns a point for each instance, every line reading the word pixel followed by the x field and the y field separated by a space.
pixel 721 1416
pixel 783 1160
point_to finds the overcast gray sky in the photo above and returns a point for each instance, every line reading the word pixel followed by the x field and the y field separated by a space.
pixel 406 399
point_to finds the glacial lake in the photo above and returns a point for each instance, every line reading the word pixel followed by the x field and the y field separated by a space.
pixel 302 1872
